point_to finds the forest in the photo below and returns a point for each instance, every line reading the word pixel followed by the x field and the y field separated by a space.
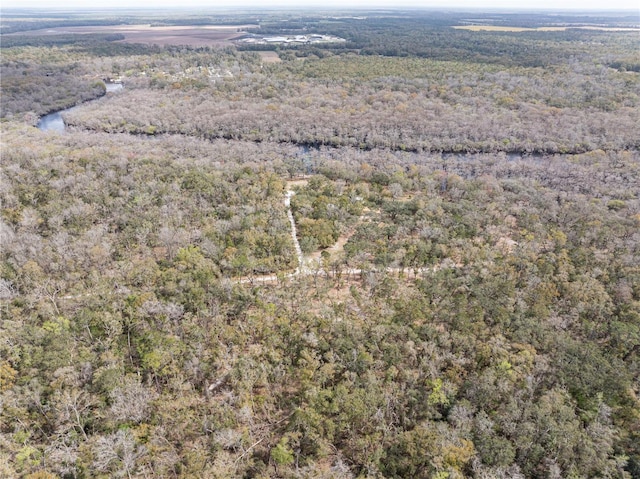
pixel 413 254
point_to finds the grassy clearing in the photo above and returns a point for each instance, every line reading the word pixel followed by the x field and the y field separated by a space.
pixel 269 57
pixel 502 28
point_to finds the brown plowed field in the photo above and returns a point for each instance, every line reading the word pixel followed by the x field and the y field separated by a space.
pixel 165 35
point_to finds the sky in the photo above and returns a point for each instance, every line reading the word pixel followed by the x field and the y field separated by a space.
pixel 475 4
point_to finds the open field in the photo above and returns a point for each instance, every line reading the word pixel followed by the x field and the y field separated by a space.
pixel 269 57
pixel 502 28
pixel 164 35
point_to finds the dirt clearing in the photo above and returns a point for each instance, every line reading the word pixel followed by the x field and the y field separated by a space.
pixel 163 35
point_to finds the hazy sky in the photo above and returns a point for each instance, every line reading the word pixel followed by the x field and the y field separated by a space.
pixel 476 4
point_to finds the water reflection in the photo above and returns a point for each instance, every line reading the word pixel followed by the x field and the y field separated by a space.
pixel 111 87
pixel 52 122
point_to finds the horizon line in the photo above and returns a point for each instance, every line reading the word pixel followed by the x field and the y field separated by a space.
pixel 248 8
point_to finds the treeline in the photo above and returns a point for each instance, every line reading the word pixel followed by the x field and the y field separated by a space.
pixel 14 25
pixel 39 79
pixel 540 49
pixel 528 20
pixel 400 104
pixel 432 37
pixel 49 73
pixel 58 40
pixel 15 21
pixel 39 89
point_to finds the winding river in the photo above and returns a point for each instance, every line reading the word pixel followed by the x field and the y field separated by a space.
pixel 54 122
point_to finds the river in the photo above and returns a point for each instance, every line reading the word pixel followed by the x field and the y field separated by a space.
pixel 54 122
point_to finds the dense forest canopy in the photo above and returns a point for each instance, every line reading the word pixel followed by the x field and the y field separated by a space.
pixel 414 254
